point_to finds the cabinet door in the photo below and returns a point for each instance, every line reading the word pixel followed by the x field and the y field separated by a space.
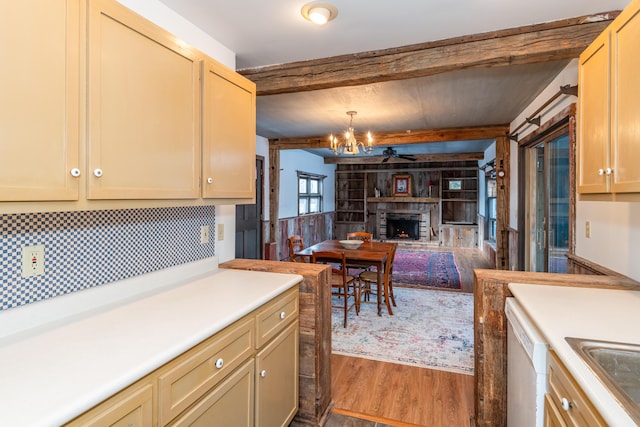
pixel 143 101
pixel 39 83
pixel 132 407
pixel 277 380
pixel 552 417
pixel 229 134
pixel 625 108
pixel 229 404
pixel 593 116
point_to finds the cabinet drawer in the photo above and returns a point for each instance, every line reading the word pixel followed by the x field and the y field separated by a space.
pixel 562 385
pixel 229 404
pixel 275 316
pixel 132 407
pixel 193 374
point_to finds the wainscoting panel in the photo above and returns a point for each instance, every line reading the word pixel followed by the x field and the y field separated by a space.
pixel 313 229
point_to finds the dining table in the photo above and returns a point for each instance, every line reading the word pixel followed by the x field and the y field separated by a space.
pixel 370 253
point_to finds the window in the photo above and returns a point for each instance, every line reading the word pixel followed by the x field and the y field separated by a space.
pixel 492 209
pixel 309 193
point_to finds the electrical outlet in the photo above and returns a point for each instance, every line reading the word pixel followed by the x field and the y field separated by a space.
pixel 32 260
pixel 220 233
pixel 587 229
pixel 204 234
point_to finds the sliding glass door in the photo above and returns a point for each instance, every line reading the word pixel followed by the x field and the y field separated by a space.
pixel 547 204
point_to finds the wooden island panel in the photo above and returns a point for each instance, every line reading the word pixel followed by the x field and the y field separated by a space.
pixel 491 287
pixel 315 401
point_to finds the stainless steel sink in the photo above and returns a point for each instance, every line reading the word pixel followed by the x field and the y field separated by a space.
pixel 617 366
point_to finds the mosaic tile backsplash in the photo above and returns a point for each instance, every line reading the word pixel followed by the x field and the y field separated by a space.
pixel 90 248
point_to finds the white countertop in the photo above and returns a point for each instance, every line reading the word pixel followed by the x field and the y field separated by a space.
pixel 69 360
pixel 599 314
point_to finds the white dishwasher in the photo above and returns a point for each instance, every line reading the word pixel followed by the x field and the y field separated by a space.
pixel 526 369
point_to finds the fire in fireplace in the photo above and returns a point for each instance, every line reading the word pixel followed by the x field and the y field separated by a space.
pixel 403 226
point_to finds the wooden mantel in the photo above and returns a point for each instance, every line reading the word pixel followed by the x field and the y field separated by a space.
pixel 402 200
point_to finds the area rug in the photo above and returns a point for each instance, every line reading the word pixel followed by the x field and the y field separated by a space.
pixel 426 268
pixel 429 329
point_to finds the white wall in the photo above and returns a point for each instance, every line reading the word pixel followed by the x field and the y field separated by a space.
pixel 615 226
pixel 164 17
pixel 615 235
pixel 292 161
pixel 568 76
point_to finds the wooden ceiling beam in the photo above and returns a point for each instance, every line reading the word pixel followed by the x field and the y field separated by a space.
pixel 401 137
pixel 551 41
pixel 420 158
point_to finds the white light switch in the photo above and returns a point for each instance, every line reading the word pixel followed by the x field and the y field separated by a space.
pixel 220 233
pixel 587 229
pixel 32 260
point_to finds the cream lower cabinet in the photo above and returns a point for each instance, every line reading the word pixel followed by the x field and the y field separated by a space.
pixel 39 83
pixel 245 375
pixel 566 404
pixel 229 404
pixel 277 380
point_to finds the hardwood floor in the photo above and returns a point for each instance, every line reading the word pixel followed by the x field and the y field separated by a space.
pixel 406 396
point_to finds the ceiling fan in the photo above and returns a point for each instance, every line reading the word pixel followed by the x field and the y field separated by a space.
pixel 390 152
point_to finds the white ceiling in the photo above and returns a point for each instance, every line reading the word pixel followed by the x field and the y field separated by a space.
pixel 267 32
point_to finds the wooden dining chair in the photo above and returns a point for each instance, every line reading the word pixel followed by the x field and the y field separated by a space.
pixel 359 235
pixel 343 286
pixel 295 244
pixel 365 237
pixel 368 279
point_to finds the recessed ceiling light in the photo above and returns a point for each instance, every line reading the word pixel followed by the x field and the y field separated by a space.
pixel 319 13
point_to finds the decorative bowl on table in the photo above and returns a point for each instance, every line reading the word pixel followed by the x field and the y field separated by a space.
pixel 351 244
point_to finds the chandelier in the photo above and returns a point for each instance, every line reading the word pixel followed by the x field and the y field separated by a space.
pixel 350 145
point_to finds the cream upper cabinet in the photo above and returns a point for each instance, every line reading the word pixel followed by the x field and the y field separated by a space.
pixel 39 83
pixel 229 134
pixel 593 116
pixel 608 111
pixel 625 106
pixel 143 106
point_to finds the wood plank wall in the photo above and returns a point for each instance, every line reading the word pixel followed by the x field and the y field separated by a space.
pixel 313 228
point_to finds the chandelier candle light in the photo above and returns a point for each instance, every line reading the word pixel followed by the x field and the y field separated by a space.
pixel 350 145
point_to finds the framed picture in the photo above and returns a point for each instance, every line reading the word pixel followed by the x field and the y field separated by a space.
pixel 401 185
pixel 455 184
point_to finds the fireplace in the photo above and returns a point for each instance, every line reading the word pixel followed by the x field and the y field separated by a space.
pixel 403 226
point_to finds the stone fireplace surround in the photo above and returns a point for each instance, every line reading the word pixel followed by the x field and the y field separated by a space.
pixel 424 227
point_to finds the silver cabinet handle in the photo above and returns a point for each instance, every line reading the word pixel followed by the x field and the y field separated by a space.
pixel 600 171
pixel 608 171
pixel 209 180
pixel 283 315
pixel 219 363
pixel 263 373
pixel 75 172
pixel 97 172
pixel 566 404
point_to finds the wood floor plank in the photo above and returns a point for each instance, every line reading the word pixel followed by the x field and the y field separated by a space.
pixel 403 395
pixel 407 394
